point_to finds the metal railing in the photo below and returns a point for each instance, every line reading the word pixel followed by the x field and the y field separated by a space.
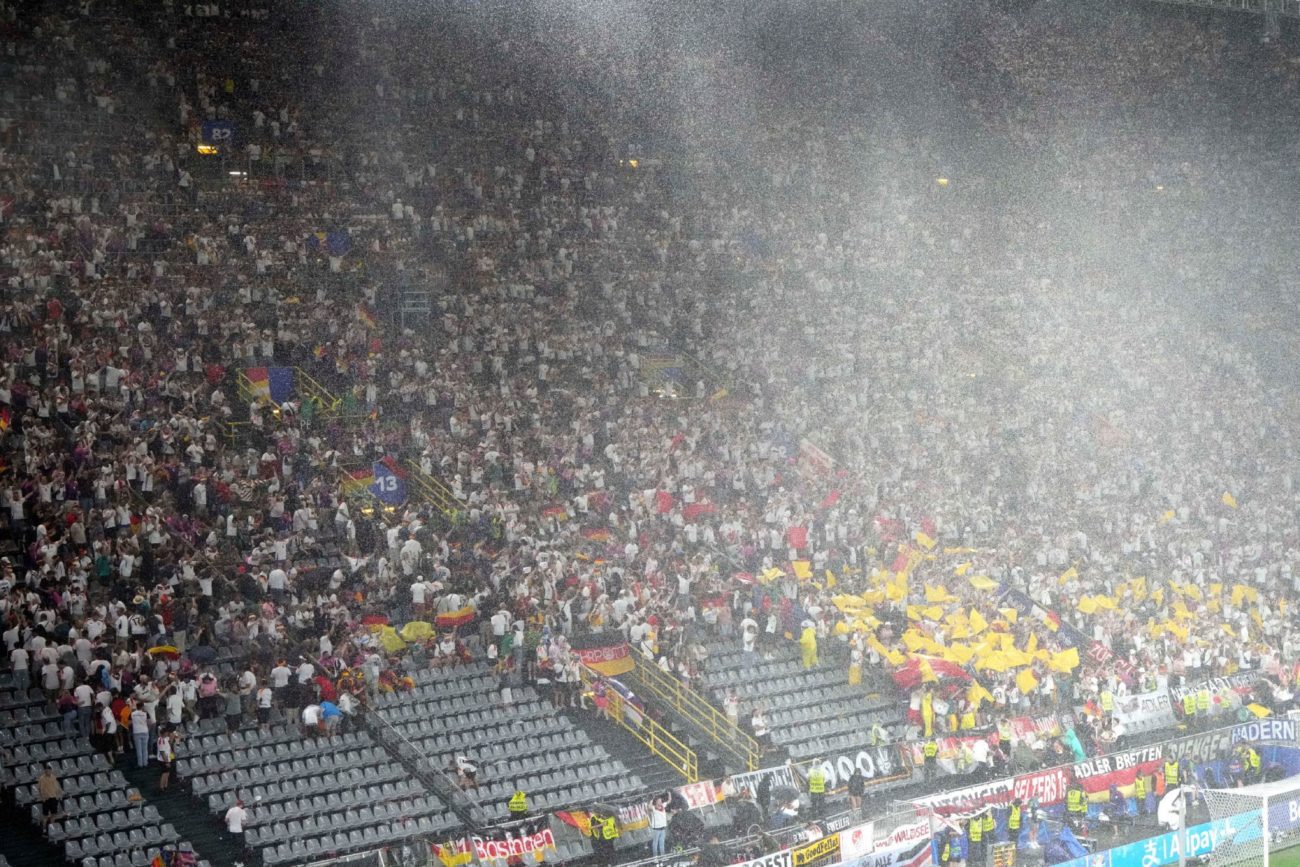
pixel 697 711
pixel 658 739
pixel 434 492
pixel 468 808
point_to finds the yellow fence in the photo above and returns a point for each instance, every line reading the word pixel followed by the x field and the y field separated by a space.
pixel 434 492
pixel 691 706
pixel 658 739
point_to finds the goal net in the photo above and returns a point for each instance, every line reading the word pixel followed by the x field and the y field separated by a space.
pixel 1251 825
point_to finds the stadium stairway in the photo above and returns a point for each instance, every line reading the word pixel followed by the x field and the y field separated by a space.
pixel 644 764
pixel 188 814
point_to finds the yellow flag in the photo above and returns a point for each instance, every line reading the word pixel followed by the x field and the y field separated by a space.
pixel 1068 575
pixel 977 695
pixel 1026 681
pixel 1258 710
pixel 912 640
pixel 1228 630
pixel 1087 605
pixel 1229 500
pixel 802 569
pixel 1011 614
pixel 1167 517
pixel 983 582
pixel 960 653
pixel 924 541
pixel 1065 661
pixel 977 622
pixel 937 594
pixel 1032 645
pixel 961 568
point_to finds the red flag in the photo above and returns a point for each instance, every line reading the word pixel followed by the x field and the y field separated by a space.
pixel 797 536
pixel 663 502
pixel 831 499
pixel 695 510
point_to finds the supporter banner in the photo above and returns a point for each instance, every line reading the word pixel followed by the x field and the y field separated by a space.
pixel 218 132
pixel 1157 851
pixel 1237 684
pixel 1102 657
pixel 634 817
pixel 701 794
pixel 913 854
pixel 1047 787
pixel 1145 711
pixel 611 660
pixel 389 485
pixel 1117 769
pixel 858 841
pixel 1264 730
pixel 862 840
pixel 813 459
pixel 781 775
pixel 877 764
pixel 823 851
pixel 1205 747
pixel 776 859
pixel 532 838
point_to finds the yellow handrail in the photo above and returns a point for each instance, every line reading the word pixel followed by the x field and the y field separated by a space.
pixel 434 492
pixel 698 711
pixel 309 387
pixel 658 739
pixel 244 386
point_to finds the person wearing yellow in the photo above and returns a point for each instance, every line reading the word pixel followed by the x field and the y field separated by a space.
pixel 817 790
pixel 808 644
pixel 927 714
pixel 930 752
pixel 518 805
pixel 855 664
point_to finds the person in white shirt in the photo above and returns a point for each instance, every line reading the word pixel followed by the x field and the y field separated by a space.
pixel 311 720
pixel 236 816
pixel 140 736
pixel 265 698
pixel 19 661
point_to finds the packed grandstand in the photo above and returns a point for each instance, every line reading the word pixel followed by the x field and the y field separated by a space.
pixel 458 433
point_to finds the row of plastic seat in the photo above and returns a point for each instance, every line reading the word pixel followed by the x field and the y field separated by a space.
pixel 526 744
pixel 367 811
pixel 430 822
pixel 15 736
pixel 245 739
pixel 347 761
pixel 11 699
pixel 27 715
pixel 522 764
pixel 261 755
pixel 75 827
pixel 347 788
pixel 84 784
pixel 65 767
pixel 450 673
pixel 120 841
pixel 465 691
pixel 89 805
pixel 466 719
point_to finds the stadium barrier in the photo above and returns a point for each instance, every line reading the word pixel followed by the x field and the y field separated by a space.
pixel 697 711
pixel 663 743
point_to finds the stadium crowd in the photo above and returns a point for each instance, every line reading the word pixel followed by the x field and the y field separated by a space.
pixel 661 369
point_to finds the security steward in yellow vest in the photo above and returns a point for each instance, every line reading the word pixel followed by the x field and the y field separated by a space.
pixel 1173 778
pixel 1251 764
pixel 518 805
pixel 1014 817
pixel 931 753
pixel 1203 707
pixel 817 790
pixel 1140 793
pixel 1189 708
pixel 604 835
pixel 975 837
pixel 1076 804
pixel 1107 703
